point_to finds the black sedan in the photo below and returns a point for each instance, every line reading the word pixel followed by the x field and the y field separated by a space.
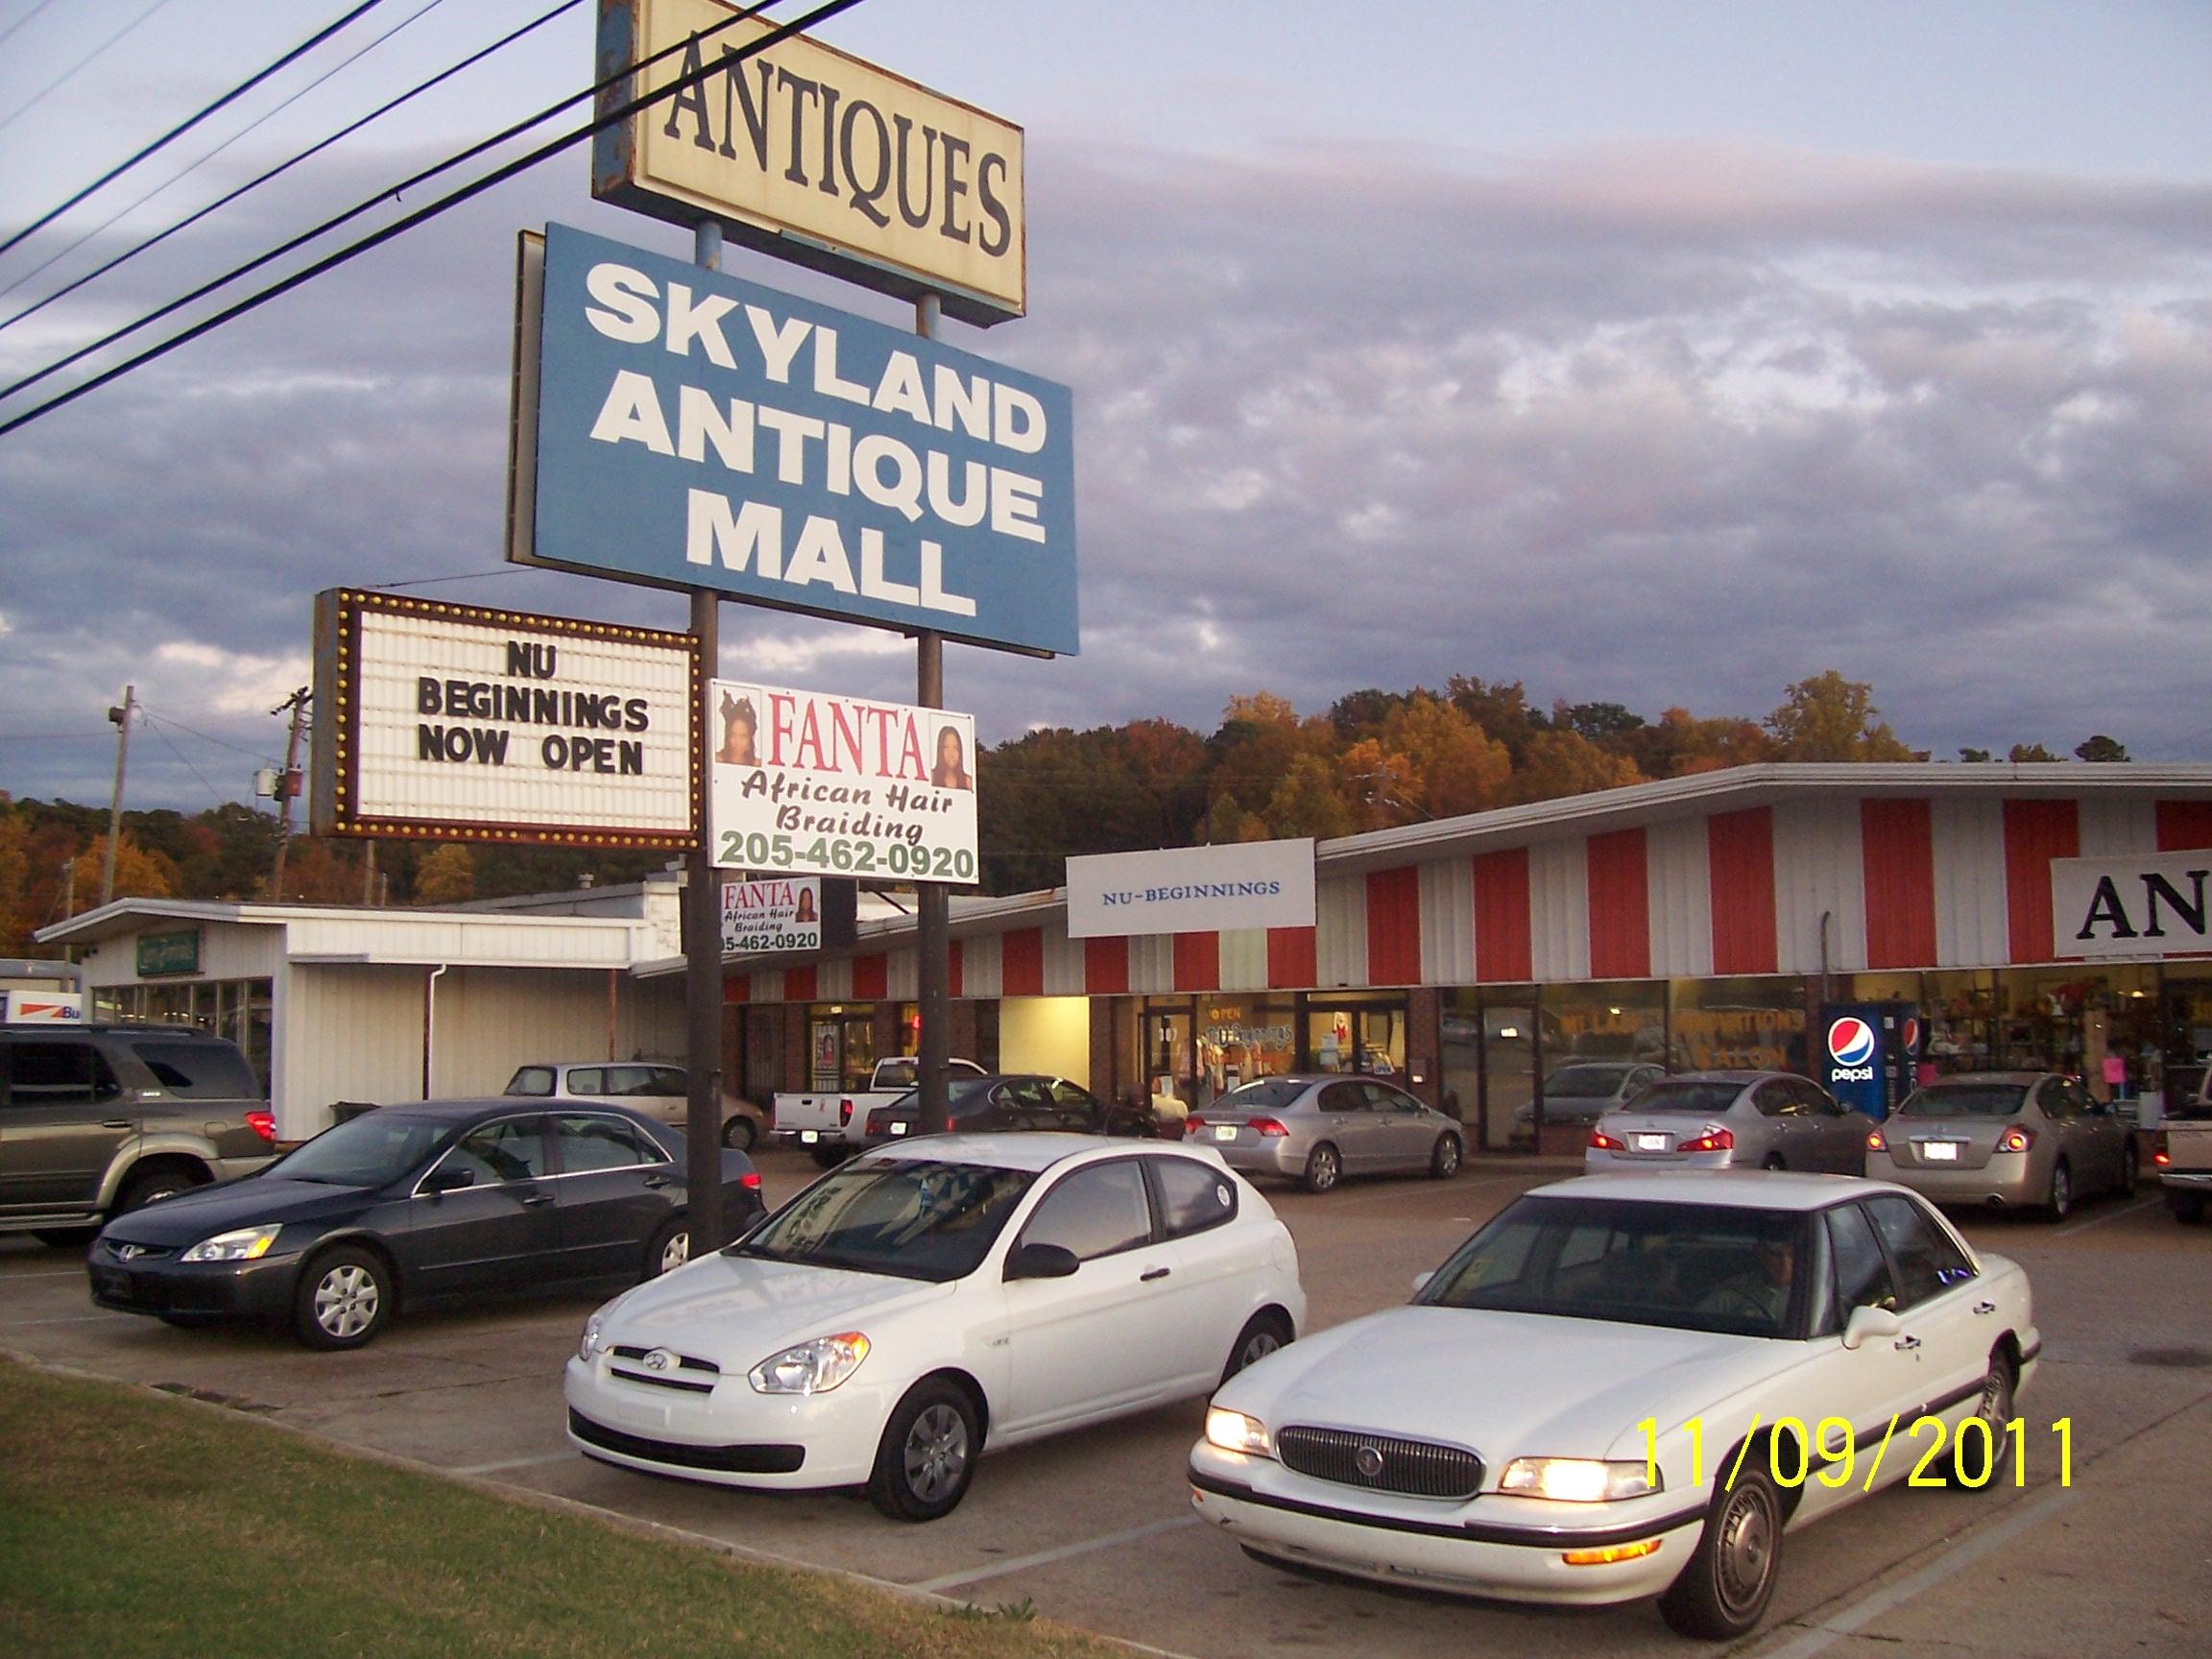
pixel 416 1204
pixel 1009 1101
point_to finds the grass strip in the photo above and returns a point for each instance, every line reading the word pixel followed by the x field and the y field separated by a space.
pixel 133 1525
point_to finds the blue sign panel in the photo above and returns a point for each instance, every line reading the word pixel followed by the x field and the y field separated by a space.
pixel 694 430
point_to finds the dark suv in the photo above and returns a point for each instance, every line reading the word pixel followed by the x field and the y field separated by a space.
pixel 98 1120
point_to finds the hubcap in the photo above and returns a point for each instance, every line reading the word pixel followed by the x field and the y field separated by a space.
pixel 345 1301
pixel 1996 1409
pixel 1746 1549
pixel 1324 1169
pixel 936 1454
pixel 675 1252
pixel 2061 1191
pixel 1258 1347
pixel 1448 1156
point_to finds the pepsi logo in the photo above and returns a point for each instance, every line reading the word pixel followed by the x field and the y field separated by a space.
pixel 1910 1036
pixel 1851 1041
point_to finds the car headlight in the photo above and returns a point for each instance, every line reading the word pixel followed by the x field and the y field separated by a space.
pixel 1578 1480
pixel 244 1244
pixel 589 1345
pixel 812 1367
pixel 1234 1431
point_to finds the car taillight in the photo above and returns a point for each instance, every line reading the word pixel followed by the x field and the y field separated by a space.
pixel 2015 1139
pixel 1266 1126
pixel 2159 1156
pixel 1712 1141
pixel 1877 1141
pixel 749 1180
pixel 844 1113
pixel 1606 1142
pixel 1193 1123
pixel 263 1124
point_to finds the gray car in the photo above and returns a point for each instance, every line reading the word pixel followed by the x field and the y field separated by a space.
pixel 661 1093
pixel 1731 1121
pixel 1316 1129
pixel 2005 1140
pixel 1581 1091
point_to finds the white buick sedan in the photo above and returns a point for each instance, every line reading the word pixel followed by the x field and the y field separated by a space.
pixel 931 1299
pixel 1630 1385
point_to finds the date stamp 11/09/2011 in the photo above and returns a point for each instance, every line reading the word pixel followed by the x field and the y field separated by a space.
pixel 1830 1452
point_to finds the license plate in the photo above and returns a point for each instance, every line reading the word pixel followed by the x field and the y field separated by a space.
pixel 1939 1151
pixel 898 1128
pixel 1650 1143
pixel 807 1137
pixel 1225 1132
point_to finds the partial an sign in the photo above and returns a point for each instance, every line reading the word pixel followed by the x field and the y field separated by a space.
pixel 813 157
pixel 783 913
pixel 808 784
pixel 1191 889
pixel 461 724
pixel 2149 906
pixel 683 428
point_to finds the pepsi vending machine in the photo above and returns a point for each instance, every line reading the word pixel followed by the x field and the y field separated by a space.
pixel 1868 1053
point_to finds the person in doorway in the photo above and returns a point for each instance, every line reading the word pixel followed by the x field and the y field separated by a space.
pixel 740 723
pixel 952 770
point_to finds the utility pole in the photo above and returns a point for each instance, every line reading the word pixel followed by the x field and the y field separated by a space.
pixel 286 786
pixel 932 901
pixel 121 716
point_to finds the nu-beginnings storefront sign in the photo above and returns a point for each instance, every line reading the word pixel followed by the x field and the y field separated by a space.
pixel 805 782
pixel 683 428
pixel 1191 889
pixel 2153 904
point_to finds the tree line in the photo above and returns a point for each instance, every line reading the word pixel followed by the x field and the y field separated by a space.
pixel 1372 760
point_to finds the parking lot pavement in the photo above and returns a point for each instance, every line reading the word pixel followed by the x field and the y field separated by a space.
pixel 1094 1528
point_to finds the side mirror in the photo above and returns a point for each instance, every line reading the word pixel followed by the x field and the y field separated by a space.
pixel 1421 1281
pixel 448 1178
pixel 1041 1261
pixel 1868 1323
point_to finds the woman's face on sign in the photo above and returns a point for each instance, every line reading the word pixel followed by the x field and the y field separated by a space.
pixel 949 752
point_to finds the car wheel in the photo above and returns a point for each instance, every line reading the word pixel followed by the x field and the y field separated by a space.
pixel 2060 1203
pixel 670 1249
pixel 826 1157
pixel 1444 1161
pixel 344 1298
pixel 1264 1334
pixel 155 1185
pixel 2188 1207
pixel 1994 1408
pixel 2130 1167
pixel 1324 1169
pixel 740 1132
pixel 928 1455
pixel 1724 1591
pixel 1774 1162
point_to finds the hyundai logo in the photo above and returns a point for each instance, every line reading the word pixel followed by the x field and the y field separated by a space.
pixel 661 1359
pixel 1368 1460
pixel 1851 1041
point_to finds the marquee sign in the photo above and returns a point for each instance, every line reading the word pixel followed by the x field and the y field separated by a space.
pixel 454 723
pixel 813 157
pixel 808 784
pixel 680 427
pixel 2152 905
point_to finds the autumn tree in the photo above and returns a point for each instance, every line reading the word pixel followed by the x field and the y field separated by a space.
pixel 2030 754
pixel 1309 802
pixel 1382 786
pixel 139 874
pixel 1501 710
pixel 1560 764
pixel 1461 767
pixel 2101 747
pixel 1828 718
pixel 446 876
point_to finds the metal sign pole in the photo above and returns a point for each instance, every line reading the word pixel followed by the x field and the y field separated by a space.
pixel 703 923
pixel 932 930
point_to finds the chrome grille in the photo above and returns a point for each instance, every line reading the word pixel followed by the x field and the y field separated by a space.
pixel 1416 1468
pixel 680 1371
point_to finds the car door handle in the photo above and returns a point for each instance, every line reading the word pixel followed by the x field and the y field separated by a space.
pixel 1985 1306
pixel 1147 1278
pixel 656 1182
pixel 1906 1345
pixel 114 1122
pixel 532 1200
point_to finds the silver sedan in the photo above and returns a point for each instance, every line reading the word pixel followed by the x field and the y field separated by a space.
pixel 1316 1129
pixel 1731 1119
pixel 2008 1139
pixel 1584 1090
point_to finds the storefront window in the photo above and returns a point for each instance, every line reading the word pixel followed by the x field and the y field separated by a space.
pixel 1740 1024
pixel 840 1046
pixel 239 1009
pixel 1356 1033
pixel 1612 1019
pixel 1240 1039
pixel 2100 1025
pixel 1960 1011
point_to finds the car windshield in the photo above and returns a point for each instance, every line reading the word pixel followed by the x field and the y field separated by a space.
pixel 372 1150
pixel 915 1219
pixel 1687 1095
pixel 1267 1095
pixel 1585 1080
pixel 1964 1100
pixel 1713 1267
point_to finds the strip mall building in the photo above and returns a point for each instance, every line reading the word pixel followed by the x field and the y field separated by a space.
pixel 1701 920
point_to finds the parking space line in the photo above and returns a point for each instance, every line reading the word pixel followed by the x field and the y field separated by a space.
pixel 1857 1617
pixel 1045 1557
pixel 515 1463
pixel 78 1319
pixel 2109 1215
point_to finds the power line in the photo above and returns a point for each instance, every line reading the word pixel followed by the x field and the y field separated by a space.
pixel 146 151
pixel 46 92
pixel 220 798
pixel 259 121
pixel 422 215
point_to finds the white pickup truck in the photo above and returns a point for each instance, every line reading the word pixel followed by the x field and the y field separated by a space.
pixel 2184 1148
pixel 832 1123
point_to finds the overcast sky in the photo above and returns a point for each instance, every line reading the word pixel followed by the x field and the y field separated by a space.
pixel 1652 353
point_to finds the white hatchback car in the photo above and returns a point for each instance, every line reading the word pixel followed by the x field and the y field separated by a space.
pixel 933 1297
pixel 1631 1386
